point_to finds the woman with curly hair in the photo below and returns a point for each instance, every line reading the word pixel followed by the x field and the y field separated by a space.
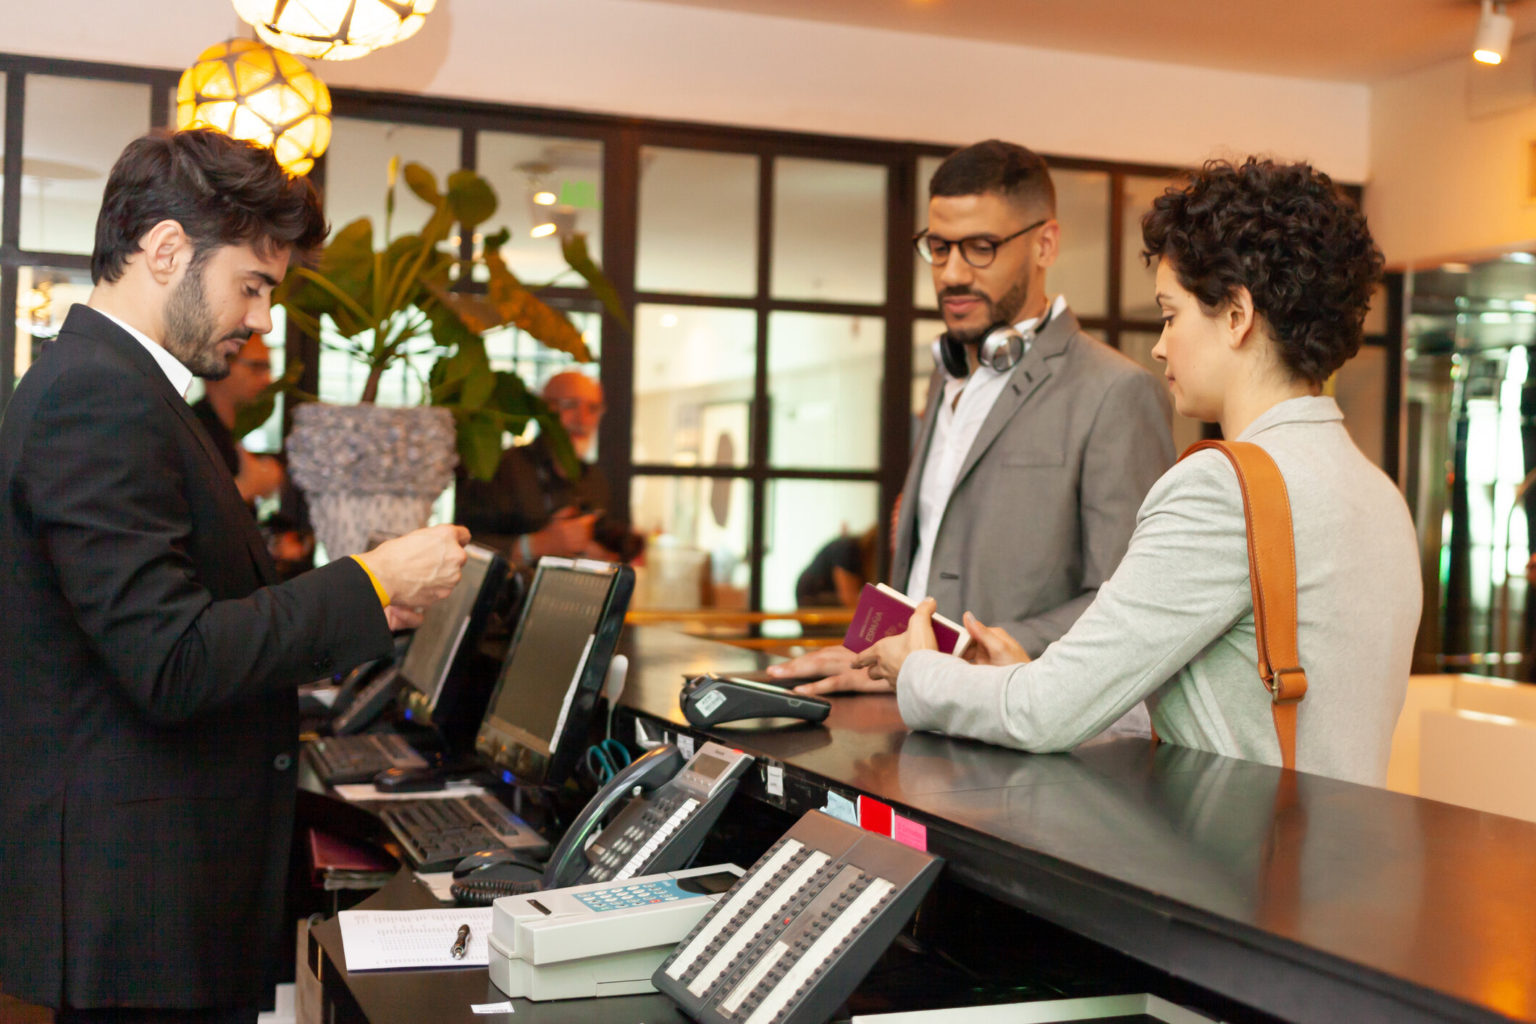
pixel 1264 272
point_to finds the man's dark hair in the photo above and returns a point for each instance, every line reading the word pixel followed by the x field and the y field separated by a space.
pixel 222 191
pixel 1290 236
pixel 1011 171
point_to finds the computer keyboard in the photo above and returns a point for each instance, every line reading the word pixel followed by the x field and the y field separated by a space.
pixel 342 759
pixel 437 834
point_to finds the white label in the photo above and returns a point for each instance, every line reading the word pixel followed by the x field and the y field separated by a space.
pixel 775 780
pixel 685 746
pixel 505 1007
pixel 709 702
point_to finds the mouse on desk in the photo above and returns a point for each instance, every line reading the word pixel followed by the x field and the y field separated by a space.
pixel 410 780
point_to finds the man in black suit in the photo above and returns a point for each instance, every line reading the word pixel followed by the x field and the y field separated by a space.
pixel 148 658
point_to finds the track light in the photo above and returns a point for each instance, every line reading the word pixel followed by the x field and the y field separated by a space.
pixel 1494 31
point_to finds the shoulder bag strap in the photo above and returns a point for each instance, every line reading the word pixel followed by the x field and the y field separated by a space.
pixel 1272 572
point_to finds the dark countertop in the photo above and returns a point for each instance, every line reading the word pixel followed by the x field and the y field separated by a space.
pixel 1304 896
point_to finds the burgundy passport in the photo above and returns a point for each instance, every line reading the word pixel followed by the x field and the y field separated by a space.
pixel 883 612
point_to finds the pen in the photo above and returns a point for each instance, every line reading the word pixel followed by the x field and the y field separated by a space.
pixel 460 944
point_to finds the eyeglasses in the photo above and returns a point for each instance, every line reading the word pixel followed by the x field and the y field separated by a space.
pixel 577 405
pixel 977 250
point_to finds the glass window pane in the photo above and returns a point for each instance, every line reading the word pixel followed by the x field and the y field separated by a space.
pixel 4 80
pixel 1081 272
pixel 1138 282
pixel 73 132
pixel 526 170
pixel 43 298
pixel 825 373
pixel 828 230
pixel 698 223
pixel 924 334
pixel 1138 345
pixel 698 530
pixel 357 172
pixel 694 370
pixel 922 275
pixel 804 516
pixel 342 376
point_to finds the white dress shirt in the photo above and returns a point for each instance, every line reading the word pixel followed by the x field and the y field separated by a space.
pixel 961 412
pixel 179 376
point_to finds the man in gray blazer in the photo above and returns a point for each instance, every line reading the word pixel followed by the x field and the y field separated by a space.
pixel 1039 443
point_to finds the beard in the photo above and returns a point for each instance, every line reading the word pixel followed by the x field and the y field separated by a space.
pixel 1004 310
pixel 192 329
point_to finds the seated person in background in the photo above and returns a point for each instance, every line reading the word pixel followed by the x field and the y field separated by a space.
pixel 250 371
pixel 530 509
pixel 838 572
pixel 1263 277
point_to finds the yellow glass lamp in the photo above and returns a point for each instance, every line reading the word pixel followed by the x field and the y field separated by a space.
pixel 334 29
pixel 248 90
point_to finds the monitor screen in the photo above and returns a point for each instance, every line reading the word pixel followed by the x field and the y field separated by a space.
pixel 535 725
pixel 440 637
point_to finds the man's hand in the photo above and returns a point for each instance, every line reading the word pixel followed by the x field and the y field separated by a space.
pixel 420 568
pixel 259 475
pixel 399 617
pixel 568 534
pixel 884 659
pixel 991 645
pixel 831 668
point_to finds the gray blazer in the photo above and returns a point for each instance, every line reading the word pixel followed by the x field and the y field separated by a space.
pixel 1175 623
pixel 1045 502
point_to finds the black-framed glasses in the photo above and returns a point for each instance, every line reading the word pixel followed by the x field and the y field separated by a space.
pixel 977 250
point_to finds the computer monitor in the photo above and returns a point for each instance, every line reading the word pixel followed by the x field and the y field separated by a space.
pixel 536 723
pixel 444 688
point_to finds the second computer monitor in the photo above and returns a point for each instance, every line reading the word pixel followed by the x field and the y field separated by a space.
pixel 536 723
pixel 442 686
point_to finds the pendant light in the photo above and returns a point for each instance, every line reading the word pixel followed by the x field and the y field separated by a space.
pixel 334 29
pixel 248 90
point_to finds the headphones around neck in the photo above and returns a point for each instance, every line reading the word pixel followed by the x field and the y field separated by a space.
pixel 1000 348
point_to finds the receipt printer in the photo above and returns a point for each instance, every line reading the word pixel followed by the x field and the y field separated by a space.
pixel 602 939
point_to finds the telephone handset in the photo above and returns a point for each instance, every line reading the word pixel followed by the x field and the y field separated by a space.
pixel 671 808
pixel 795 936
pixel 365 694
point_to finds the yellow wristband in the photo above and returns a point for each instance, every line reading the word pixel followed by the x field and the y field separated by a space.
pixel 378 588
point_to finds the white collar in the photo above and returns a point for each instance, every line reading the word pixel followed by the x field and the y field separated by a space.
pixel 179 376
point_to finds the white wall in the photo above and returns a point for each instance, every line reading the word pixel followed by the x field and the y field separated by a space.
pixel 659 60
pixel 1451 160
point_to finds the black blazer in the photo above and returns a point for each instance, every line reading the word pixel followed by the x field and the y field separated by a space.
pixel 148 723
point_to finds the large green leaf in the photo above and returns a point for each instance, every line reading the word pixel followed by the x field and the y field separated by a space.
pixel 574 248
pixel 479 443
pixel 517 305
pixel 422 182
pixel 471 199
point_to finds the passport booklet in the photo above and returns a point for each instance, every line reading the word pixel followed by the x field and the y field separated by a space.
pixel 883 611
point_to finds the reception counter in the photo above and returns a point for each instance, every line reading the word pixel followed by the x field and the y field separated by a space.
pixel 1302 897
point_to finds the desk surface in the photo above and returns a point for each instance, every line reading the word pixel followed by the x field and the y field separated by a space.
pixel 444 996
pixel 1304 896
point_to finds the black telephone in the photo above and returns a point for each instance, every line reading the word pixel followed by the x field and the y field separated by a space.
pixel 671 808
pixel 798 932
pixel 364 695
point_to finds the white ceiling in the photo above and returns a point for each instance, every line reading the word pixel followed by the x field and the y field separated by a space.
pixel 1343 40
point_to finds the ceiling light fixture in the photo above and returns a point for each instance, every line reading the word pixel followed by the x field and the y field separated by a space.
pixel 334 29
pixel 1495 29
pixel 248 90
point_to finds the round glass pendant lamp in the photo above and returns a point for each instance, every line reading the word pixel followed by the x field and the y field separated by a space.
pixel 334 29
pixel 248 90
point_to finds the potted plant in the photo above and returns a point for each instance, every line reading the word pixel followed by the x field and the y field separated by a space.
pixel 370 469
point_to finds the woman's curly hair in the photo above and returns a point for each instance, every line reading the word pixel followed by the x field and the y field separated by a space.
pixel 1287 234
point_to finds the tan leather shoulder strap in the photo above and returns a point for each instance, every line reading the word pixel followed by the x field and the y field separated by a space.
pixel 1272 571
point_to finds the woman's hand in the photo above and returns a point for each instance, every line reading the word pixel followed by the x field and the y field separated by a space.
pixel 884 659
pixel 990 645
